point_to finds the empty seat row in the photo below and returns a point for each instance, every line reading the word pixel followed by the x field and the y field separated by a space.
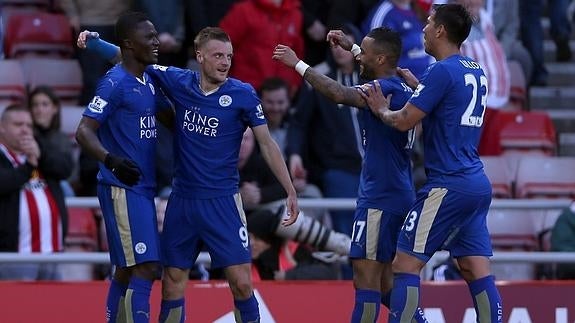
pixel 18 76
pixel 531 176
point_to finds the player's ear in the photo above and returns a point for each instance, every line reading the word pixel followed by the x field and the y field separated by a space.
pixel 199 57
pixel 126 43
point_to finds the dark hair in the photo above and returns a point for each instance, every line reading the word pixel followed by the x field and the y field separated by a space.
pixel 42 89
pixel 274 83
pixel 455 19
pixel 14 107
pixel 388 41
pixel 127 23
pixel 208 34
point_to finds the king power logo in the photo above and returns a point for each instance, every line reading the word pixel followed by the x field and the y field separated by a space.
pixel 265 314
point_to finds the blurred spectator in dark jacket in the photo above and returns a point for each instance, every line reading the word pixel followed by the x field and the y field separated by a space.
pixel 563 239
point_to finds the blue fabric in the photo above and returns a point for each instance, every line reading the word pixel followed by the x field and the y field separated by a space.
pixel 401 283
pixel 248 308
pixel 487 285
pixel 115 292
pixel 167 306
pixel 140 300
pixel 363 297
pixel 419 316
pixel 102 48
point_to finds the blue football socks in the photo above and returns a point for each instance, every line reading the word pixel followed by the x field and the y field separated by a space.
pixel 367 304
pixel 486 299
pixel 248 310
pixel 115 312
pixel 404 298
pixel 173 311
pixel 137 300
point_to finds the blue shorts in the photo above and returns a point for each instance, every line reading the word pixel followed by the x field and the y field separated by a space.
pixel 131 226
pixel 374 234
pixel 446 220
pixel 217 224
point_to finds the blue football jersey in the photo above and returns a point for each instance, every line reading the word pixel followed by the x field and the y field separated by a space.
pixel 208 130
pixel 453 94
pixel 385 180
pixel 125 107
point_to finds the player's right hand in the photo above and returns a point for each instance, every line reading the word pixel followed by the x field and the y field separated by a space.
pixel 285 55
pixel 84 36
pixel 124 169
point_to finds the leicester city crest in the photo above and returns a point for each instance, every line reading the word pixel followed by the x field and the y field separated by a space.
pixel 225 100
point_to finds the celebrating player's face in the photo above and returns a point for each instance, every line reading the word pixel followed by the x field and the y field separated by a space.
pixel 215 58
pixel 146 43
pixel 367 60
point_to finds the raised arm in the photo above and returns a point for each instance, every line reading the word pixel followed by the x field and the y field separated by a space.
pixel 325 85
pixel 91 41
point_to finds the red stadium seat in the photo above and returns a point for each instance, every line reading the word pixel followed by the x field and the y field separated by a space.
pixel 545 177
pixel 63 75
pixel 82 229
pixel 496 168
pixel 12 82
pixel 527 131
pixel 38 34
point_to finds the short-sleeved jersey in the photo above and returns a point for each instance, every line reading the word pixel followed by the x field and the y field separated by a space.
pixel 125 107
pixel 208 130
pixel 386 181
pixel 453 94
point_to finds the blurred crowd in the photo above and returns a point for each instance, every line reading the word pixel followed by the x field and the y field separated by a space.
pixel 321 142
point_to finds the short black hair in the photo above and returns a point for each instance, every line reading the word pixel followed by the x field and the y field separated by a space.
pixel 456 20
pixel 208 34
pixel 274 83
pixel 127 23
pixel 388 41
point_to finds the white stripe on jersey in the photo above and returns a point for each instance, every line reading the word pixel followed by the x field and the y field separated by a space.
pixel 379 16
pixel 25 236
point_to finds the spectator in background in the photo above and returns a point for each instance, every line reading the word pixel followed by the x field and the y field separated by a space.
pixel 45 108
pixel 505 15
pixel 563 239
pixel 168 17
pixel 98 16
pixel 206 13
pixel 315 15
pixel 349 12
pixel 274 94
pixel 400 16
pixel 255 27
pixel 275 258
pixel 483 46
pixel 34 216
pixel 312 148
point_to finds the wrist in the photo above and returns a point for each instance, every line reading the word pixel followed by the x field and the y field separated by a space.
pixel 301 67
pixel 355 50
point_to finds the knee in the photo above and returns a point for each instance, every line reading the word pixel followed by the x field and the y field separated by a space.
pixel 241 287
pixel 148 270
pixel 173 285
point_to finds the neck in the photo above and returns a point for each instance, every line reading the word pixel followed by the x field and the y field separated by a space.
pixel 208 86
pixel 387 72
pixel 448 50
pixel 134 67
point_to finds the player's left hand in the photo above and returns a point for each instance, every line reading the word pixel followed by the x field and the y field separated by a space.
pixel 84 36
pixel 292 211
pixel 373 96
pixel 285 55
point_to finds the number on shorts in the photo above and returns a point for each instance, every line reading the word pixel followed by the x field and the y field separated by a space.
pixel 409 223
pixel 358 228
pixel 243 233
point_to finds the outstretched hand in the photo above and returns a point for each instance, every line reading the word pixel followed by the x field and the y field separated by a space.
pixel 285 55
pixel 373 96
pixel 84 36
pixel 338 38
pixel 292 211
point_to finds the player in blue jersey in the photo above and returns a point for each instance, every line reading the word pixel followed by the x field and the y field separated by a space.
pixel 204 209
pixel 119 129
pixel 451 208
pixel 386 188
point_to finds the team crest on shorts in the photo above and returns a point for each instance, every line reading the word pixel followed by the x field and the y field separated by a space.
pixel 140 248
pixel 225 100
